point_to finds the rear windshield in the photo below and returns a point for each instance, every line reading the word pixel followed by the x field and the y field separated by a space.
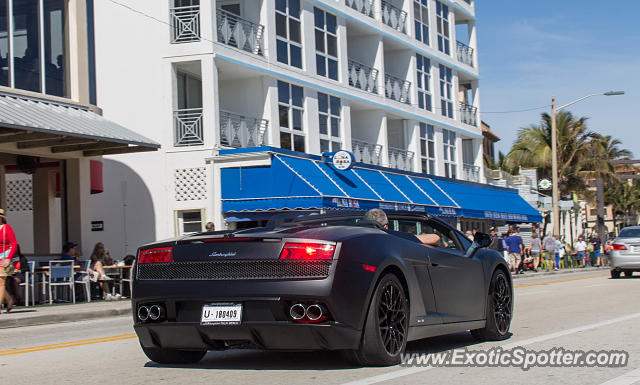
pixel 629 233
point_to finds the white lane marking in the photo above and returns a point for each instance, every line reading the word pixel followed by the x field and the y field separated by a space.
pixel 626 379
pixel 528 341
pixel 531 293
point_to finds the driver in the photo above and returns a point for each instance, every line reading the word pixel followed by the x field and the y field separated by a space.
pixel 380 218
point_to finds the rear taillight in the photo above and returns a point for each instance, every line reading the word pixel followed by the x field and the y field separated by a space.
pixel 160 255
pixel 616 246
pixel 307 251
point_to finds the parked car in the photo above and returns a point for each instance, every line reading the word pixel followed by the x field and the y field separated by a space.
pixel 321 282
pixel 624 256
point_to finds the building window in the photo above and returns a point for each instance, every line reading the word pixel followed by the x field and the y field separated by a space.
pixel 427 149
pixel 291 111
pixel 442 21
pixel 329 108
pixel 449 152
pixel 188 221
pixel 187 118
pixel 288 32
pixel 326 44
pixel 36 30
pixel 421 20
pixel 446 91
pixel 424 82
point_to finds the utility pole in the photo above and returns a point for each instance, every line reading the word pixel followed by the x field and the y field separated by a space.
pixel 554 170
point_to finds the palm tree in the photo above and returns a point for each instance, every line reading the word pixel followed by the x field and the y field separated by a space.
pixel 625 199
pixel 533 149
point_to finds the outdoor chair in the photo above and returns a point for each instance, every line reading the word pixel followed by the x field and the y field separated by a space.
pixel 61 274
pixel 126 280
pixel 29 285
pixel 83 279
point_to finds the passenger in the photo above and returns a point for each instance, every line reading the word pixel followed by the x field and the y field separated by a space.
pixel 377 216
pixel 429 239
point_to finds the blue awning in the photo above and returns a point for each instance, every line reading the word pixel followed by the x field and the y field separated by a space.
pixel 298 181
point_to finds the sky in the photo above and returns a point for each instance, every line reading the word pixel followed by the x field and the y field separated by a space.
pixel 531 50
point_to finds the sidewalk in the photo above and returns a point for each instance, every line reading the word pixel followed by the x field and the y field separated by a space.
pixel 541 273
pixel 57 313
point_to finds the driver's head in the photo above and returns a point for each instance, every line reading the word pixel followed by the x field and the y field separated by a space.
pixel 378 216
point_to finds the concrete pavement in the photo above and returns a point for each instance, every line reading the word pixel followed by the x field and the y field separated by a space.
pixel 585 310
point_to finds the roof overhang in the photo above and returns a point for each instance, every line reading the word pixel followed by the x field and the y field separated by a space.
pixel 51 128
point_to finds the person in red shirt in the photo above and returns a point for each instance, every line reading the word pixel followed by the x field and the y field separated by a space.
pixel 8 245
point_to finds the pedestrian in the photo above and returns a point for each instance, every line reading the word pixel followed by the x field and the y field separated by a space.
pixel 581 250
pixel 559 253
pixel 100 258
pixel 8 249
pixel 596 243
pixel 496 241
pixel 515 248
pixel 210 226
pixel 13 282
pixel 535 248
pixel 549 245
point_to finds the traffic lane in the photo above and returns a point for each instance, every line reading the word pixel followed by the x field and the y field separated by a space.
pixel 618 336
pixel 125 360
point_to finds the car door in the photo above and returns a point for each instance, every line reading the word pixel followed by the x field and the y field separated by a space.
pixel 420 261
pixel 458 281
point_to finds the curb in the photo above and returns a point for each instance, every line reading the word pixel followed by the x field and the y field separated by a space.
pixel 563 271
pixel 45 319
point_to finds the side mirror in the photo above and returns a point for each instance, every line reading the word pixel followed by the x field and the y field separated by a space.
pixel 480 240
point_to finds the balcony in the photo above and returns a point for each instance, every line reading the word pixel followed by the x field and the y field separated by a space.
pixel 187 124
pixel 363 77
pixel 240 33
pixel 464 53
pixel 468 114
pixel 240 131
pixel 185 24
pixel 397 89
pixel 393 16
pixel 366 152
pixel 365 7
pixel 471 173
pixel 401 159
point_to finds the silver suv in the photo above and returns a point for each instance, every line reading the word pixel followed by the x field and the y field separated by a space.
pixel 625 252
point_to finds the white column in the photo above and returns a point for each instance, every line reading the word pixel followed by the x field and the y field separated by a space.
pixel 411 130
pixel 208 25
pixel 210 102
pixel 311 122
pixel 77 195
pixel 346 125
pixel 479 160
pixel 308 38
pixel 343 54
pixel 379 64
pixel 439 151
pixel 473 42
pixel 271 111
pixel 383 140
pixel 459 163
pixel 267 12
pixel 214 207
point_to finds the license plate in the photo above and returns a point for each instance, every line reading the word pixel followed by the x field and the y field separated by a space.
pixel 221 314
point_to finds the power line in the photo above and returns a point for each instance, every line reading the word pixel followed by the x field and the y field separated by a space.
pixel 515 111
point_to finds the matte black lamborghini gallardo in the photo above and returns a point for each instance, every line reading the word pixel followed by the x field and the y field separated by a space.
pixel 321 282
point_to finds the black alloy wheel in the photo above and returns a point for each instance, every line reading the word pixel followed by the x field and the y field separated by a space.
pixel 392 318
pixel 615 274
pixel 499 310
pixel 502 303
pixel 384 337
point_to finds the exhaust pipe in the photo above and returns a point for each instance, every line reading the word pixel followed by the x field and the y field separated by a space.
pixel 314 312
pixel 143 313
pixel 297 311
pixel 156 312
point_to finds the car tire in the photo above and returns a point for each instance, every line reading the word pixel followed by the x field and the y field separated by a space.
pixel 628 274
pixel 386 328
pixel 615 274
pixel 499 309
pixel 173 356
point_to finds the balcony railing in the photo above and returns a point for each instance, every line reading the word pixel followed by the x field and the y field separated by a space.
pixel 401 159
pixel 368 153
pixel 397 89
pixel 465 53
pixel 363 77
pixel 471 172
pixel 468 114
pixel 241 131
pixel 363 6
pixel 185 24
pixel 393 16
pixel 187 124
pixel 241 33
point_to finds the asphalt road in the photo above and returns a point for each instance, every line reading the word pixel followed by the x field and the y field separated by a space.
pixel 587 311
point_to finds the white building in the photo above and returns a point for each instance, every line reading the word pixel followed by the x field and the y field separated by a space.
pixel 395 82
